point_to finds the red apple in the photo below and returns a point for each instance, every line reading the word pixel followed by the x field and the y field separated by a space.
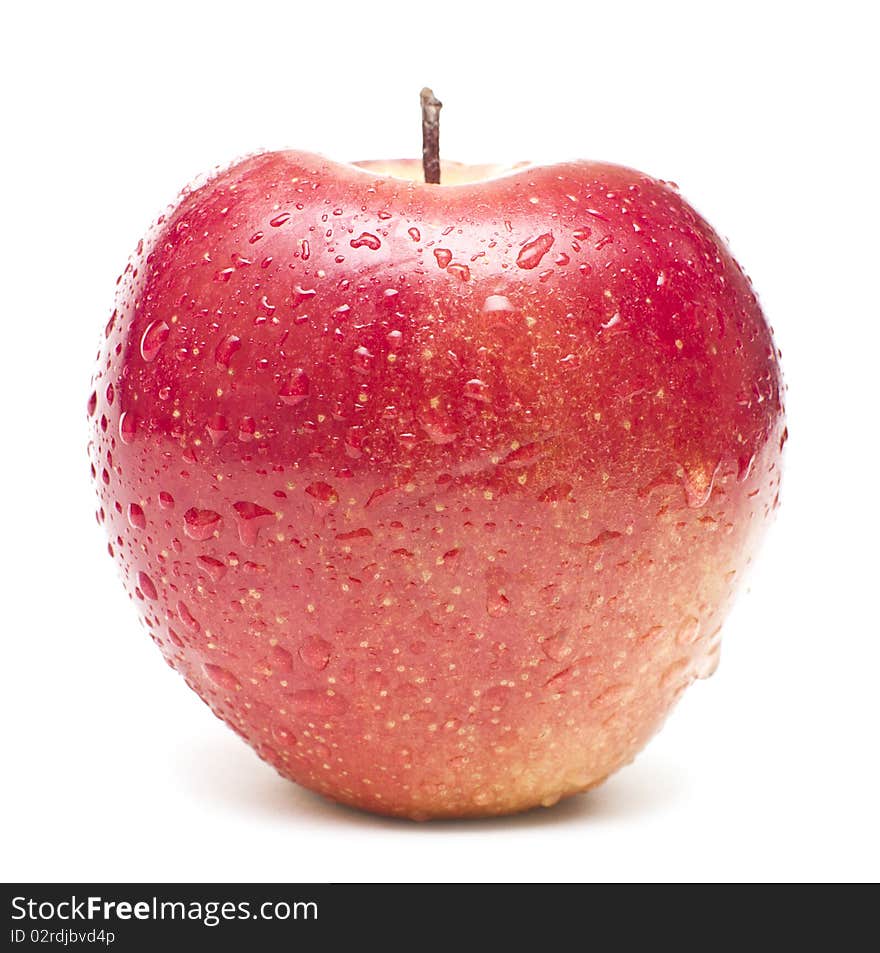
pixel 437 495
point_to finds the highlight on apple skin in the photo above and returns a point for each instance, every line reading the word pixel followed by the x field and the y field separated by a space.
pixel 437 495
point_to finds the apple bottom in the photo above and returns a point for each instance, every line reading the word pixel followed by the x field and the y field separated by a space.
pixel 435 651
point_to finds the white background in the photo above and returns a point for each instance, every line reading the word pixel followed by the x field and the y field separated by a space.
pixel 765 114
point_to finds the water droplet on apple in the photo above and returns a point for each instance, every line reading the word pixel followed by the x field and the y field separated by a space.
pixel 555 493
pixel 560 647
pixel 280 219
pixel 154 337
pixel 214 567
pixel 675 674
pixel 606 536
pixel 127 427
pixel 497 603
pixel 322 492
pixel 92 404
pixel 187 618
pixel 315 652
pixel 110 394
pixel 707 664
pixel 561 681
pixel 414 234
pixel 476 389
pixel 610 697
pixel 251 518
pixel 200 524
pixel 439 427
pixel 744 469
pixel 524 456
pixel 218 428
pixel 353 442
pixel 532 252
pixel 246 429
pixel 136 518
pixel 222 677
pixel 366 240
pixel 498 303
pixel 698 481
pixel 362 533
pixel 443 256
pixel 166 501
pixel 462 272
pixel 362 362
pixel 226 348
pixel 147 586
pixel 296 388
pixel 280 659
pixel 688 631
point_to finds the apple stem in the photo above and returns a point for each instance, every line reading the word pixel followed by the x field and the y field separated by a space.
pixel 431 107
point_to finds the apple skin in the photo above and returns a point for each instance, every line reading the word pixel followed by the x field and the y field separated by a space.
pixel 438 496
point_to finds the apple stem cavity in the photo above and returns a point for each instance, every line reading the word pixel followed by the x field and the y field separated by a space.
pixel 431 107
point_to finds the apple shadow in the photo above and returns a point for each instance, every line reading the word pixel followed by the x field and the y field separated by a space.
pixel 226 772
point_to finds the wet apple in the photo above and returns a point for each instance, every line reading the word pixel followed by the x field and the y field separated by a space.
pixel 436 494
